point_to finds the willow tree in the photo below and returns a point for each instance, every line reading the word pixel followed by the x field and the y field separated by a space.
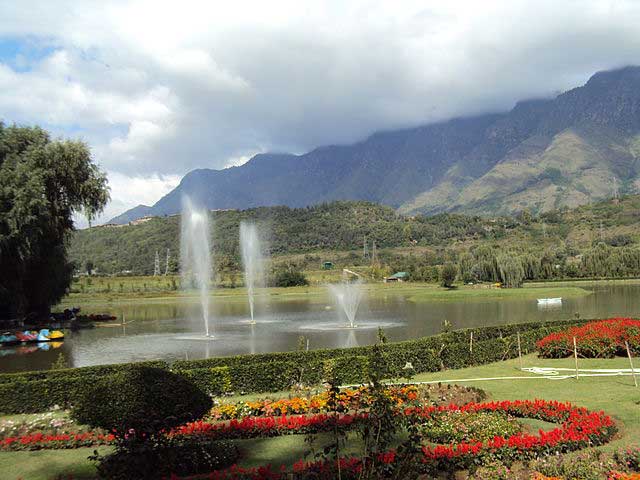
pixel 512 272
pixel 42 183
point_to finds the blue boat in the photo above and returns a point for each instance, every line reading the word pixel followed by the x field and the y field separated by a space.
pixel 8 338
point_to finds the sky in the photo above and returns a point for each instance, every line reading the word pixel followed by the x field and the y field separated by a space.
pixel 159 88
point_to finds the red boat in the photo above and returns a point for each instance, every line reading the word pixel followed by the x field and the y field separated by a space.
pixel 27 336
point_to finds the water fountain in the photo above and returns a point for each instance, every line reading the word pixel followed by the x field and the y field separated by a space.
pixel 252 261
pixel 348 296
pixel 195 255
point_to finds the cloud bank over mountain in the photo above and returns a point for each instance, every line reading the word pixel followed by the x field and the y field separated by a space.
pixel 160 89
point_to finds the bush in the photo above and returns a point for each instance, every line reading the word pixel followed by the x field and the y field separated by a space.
pixel 140 403
pixel 290 278
pixel 448 275
pixel 178 457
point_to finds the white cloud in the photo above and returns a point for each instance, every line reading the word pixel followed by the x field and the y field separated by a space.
pixel 159 88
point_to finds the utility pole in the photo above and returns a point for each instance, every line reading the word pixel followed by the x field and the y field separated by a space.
pixel 156 265
pixel 374 253
pixel 615 188
pixel 365 251
pixel 166 265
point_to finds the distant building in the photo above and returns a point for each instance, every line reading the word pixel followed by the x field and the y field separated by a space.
pixel 397 277
pixel 141 220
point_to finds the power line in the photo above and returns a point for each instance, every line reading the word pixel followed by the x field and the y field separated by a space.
pixel 166 265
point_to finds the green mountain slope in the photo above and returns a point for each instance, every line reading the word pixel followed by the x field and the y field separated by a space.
pixel 343 226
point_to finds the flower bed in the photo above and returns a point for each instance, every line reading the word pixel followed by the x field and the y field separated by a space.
pixel 38 441
pixel 348 400
pixel 577 428
pixel 601 339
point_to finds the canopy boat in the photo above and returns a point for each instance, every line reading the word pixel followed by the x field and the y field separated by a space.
pixel 8 338
pixel 46 336
pixel 27 336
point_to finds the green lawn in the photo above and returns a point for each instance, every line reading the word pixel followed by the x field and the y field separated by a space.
pixel 615 395
pixel 471 293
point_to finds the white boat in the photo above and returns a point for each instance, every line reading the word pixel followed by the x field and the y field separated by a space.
pixel 546 301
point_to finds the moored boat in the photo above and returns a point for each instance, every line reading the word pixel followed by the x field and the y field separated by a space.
pixel 550 300
pixel 27 336
pixel 8 338
pixel 46 336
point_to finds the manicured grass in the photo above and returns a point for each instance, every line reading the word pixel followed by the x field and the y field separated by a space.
pixel 107 290
pixel 479 293
pixel 49 464
pixel 150 289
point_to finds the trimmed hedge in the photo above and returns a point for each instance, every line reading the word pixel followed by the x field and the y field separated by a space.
pixel 211 380
pixel 29 392
pixel 270 372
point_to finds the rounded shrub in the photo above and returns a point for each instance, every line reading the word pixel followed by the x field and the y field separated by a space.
pixel 140 403
pixel 181 457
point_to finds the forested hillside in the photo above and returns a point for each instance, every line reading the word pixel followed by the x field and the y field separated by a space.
pixel 339 226
pixel 608 229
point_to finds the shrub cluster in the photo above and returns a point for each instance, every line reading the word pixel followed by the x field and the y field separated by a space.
pixel 602 339
pixel 30 392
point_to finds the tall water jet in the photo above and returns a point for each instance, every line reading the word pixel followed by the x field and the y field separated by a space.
pixel 253 262
pixel 195 255
pixel 348 296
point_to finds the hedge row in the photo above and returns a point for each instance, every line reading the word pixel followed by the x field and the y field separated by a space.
pixel 29 392
pixel 271 372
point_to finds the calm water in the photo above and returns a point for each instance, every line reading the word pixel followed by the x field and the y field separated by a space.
pixel 158 330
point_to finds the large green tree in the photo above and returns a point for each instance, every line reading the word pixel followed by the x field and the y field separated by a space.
pixel 42 183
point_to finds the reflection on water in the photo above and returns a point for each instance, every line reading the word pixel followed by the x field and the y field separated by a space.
pixel 153 328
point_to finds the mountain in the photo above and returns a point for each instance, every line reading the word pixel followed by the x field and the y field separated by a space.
pixel 132 214
pixel 581 146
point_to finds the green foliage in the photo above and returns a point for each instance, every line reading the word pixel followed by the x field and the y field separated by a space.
pixel 448 275
pixel 43 182
pixel 176 457
pixel 140 402
pixel 213 381
pixel 345 370
pixel 457 426
pixel 289 276
pixel 60 363
pixel 29 392
pixel 556 244
pixel 511 271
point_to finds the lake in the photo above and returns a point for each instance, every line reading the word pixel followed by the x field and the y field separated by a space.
pixel 170 329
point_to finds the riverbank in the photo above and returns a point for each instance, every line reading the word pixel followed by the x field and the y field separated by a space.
pixel 107 290
pixel 470 293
